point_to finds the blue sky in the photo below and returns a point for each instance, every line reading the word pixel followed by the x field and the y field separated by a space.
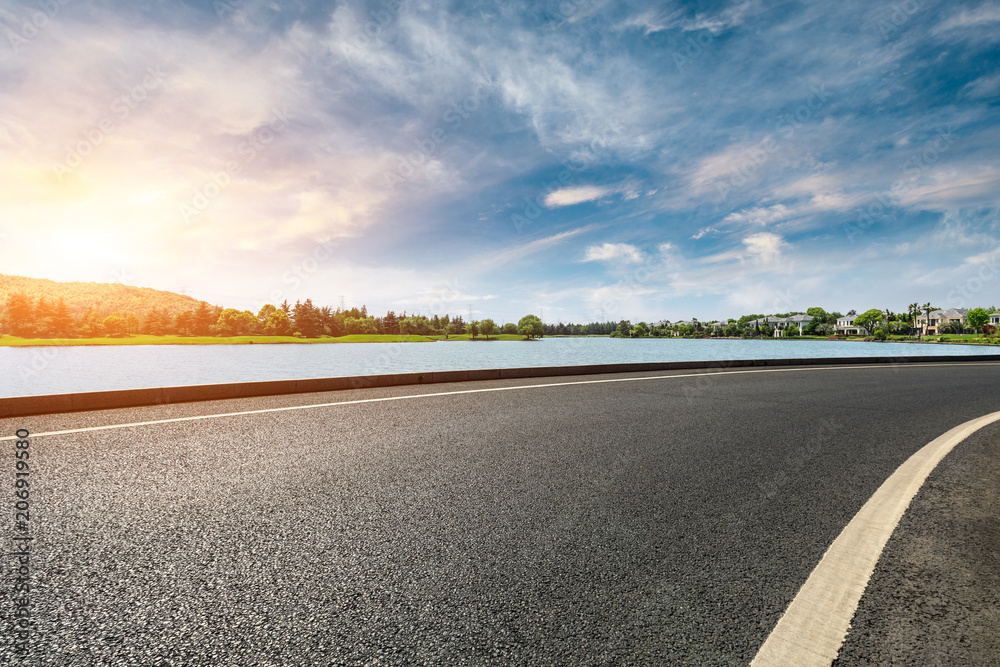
pixel 580 160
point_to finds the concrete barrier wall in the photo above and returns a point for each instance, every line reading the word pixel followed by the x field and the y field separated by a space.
pixel 101 400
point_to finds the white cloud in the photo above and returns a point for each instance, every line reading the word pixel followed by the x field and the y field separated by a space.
pixel 705 231
pixel 985 87
pixel 652 21
pixel 610 252
pixel 497 259
pixel 987 13
pixel 576 195
pixel 759 216
pixel 765 246
pixel 948 187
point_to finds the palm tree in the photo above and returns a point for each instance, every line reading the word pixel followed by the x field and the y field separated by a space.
pixel 914 310
pixel 927 308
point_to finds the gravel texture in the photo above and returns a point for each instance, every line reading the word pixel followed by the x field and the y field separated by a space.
pixel 667 521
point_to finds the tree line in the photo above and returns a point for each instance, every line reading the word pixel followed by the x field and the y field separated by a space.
pixel 26 317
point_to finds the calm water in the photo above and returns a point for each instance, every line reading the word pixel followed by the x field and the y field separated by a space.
pixel 52 370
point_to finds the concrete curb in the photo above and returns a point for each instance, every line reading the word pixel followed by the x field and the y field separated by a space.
pixel 22 406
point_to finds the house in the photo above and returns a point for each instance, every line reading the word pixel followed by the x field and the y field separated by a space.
pixel 779 324
pixel 795 320
pixel 995 318
pixel 698 326
pixel 930 324
pixel 846 327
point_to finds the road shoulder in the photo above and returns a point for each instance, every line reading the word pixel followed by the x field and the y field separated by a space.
pixel 934 597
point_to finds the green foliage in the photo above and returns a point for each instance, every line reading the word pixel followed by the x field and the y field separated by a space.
pixel 881 334
pixel 510 328
pixel 870 319
pixel 742 322
pixel 825 330
pixel 488 327
pixel 977 317
pixel 530 326
pixel 953 327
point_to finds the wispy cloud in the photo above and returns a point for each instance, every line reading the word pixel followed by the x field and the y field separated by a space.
pixel 610 252
pixel 576 195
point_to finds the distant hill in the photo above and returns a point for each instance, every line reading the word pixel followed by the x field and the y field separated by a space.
pixel 105 298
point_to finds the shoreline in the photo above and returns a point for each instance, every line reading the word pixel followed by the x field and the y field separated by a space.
pixel 143 339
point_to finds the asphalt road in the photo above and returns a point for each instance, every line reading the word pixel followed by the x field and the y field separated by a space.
pixel 663 521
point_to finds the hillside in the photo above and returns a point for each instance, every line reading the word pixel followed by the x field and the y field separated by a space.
pixel 105 298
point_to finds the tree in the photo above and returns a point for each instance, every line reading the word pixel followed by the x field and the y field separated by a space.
pixel 265 313
pixel 640 330
pixel 306 318
pixel 510 328
pixel 90 324
pixel 62 319
pixel 870 319
pixel 115 324
pixel 18 315
pixel 487 327
pixel 277 323
pixel 953 327
pixel 530 326
pixel 927 309
pixel 791 331
pixel 819 316
pixel 977 317
pixel 203 318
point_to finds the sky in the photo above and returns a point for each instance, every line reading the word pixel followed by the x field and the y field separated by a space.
pixel 579 160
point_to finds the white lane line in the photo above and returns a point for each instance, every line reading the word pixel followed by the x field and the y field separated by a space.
pixel 811 631
pixel 471 391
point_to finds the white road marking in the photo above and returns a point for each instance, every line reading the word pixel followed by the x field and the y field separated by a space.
pixel 467 391
pixel 812 629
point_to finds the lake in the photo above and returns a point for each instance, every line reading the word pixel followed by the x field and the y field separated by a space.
pixel 54 370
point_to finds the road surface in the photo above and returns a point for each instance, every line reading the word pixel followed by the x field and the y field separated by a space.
pixel 659 518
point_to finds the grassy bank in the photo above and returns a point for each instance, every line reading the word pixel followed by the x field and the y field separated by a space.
pixel 482 339
pixel 13 341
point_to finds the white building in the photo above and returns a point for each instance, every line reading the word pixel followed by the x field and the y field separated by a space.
pixel 846 327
